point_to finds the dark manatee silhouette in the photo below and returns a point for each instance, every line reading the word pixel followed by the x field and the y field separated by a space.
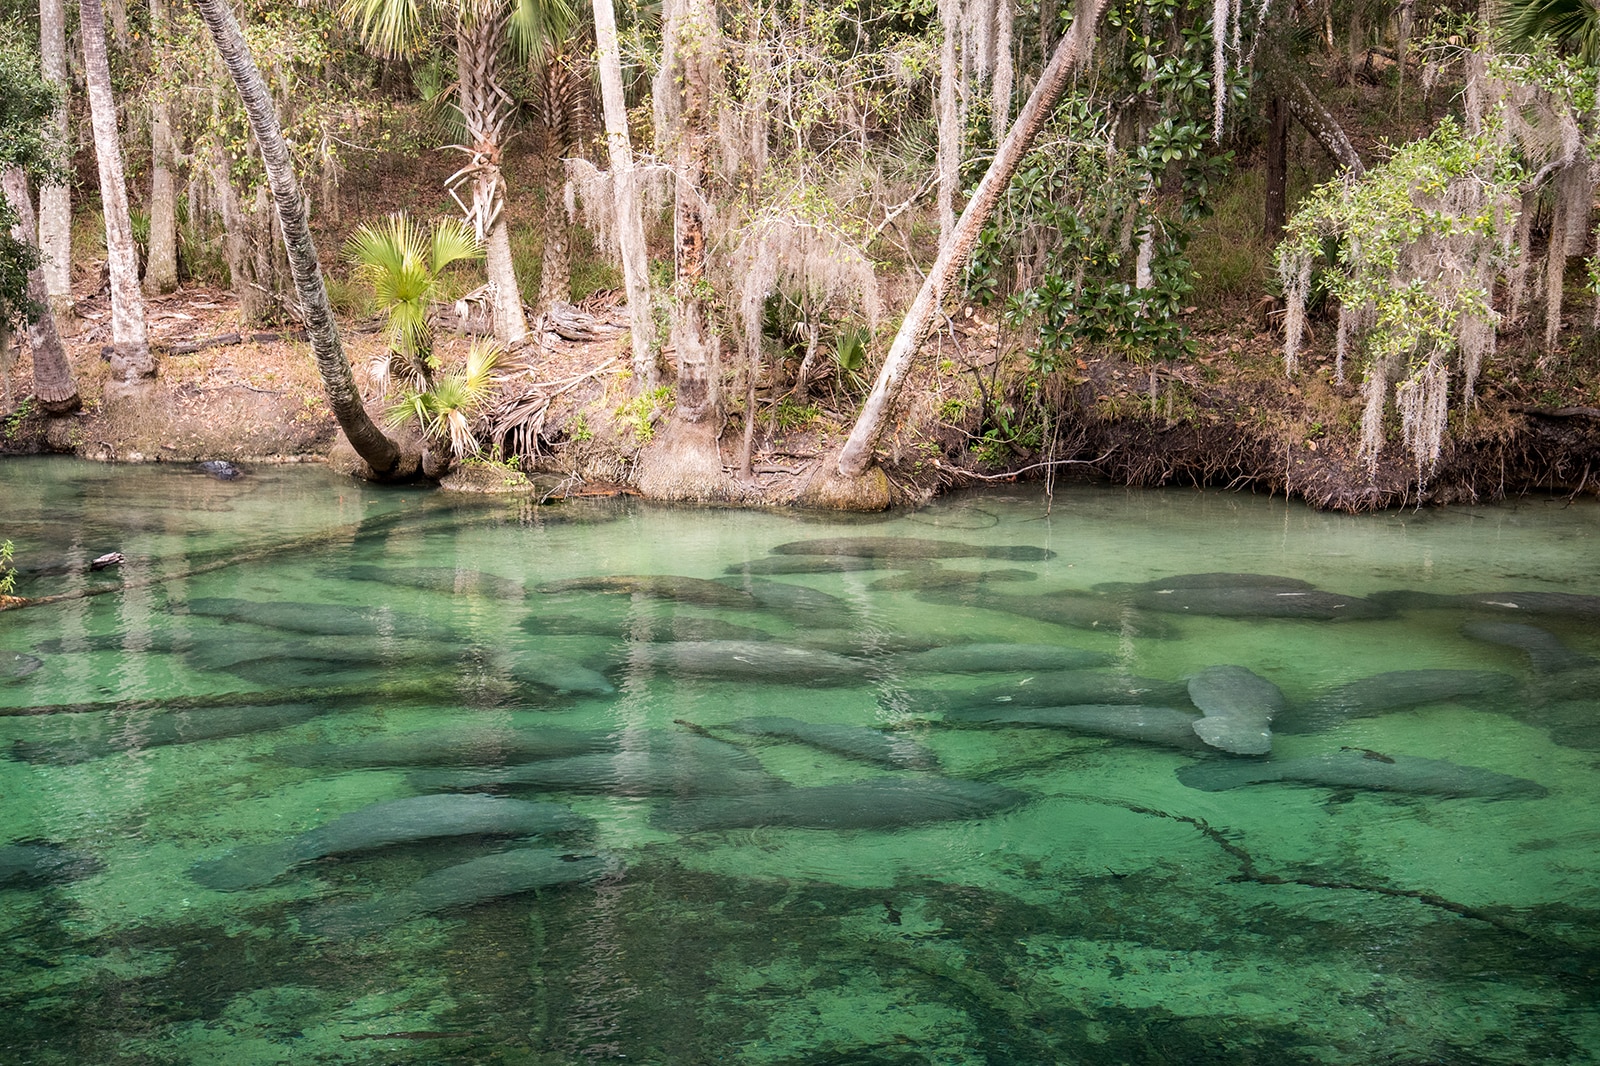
pixel 1546 652
pixel 671 627
pixel 883 803
pixel 220 469
pixel 1167 726
pixel 557 673
pixel 1068 607
pixel 506 873
pixel 997 658
pixel 1067 688
pixel 457 746
pixel 910 548
pixel 698 590
pixel 435 579
pixel 27 864
pixel 1572 605
pixel 1397 690
pixel 797 603
pixel 1239 706
pixel 403 821
pixel 1207 581
pixel 819 564
pixel 1256 602
pixel 646 764
pixel 938 578
pixel 1363 769
pixel 324 619
pixel 16 665
pixel 750 660
pixel 851 741
pixel 117 733
pixel 867 642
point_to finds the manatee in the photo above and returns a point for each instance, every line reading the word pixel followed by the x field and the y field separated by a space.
pixel 29 864
pixel 15 665
pixel 403 821
pixel 938 578
pixel 673 627
pixel 1068 688
pixel 796 602
pixel 140 732
pixel 998 658
pixel 1551 604
pixel 1396 690
pixel 1258 603
pixel 473 746
pixel 1239 706
pixel 853 742
pixel 866 642
pixel 226 650
pixel 624 773
pixel 883 803
pixel 768 661
pixel 220 469
pixel 146 642
pixel 819 564
pixel 658 586
pixel 1207 581
pixel 456 582
pixel 1545 651
pixel 1156 725
pixel 506 873
pixel 557 673
pixel 325 619
pixel 1066 608
pixel 910 548
pixel 1360 768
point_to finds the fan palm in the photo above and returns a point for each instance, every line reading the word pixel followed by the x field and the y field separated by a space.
pixel 444 409
pixel 1573 24
pixel 403 264
pixel 484 31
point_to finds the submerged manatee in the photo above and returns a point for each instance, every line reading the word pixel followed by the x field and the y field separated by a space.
pixel 403 821
pixel 1257 603
pixel 1359 768
pixel 1167 726
pixel 651 764
pixel 1239 706
pixel 885 803
pixel 1207 581
pixel 798 603
pixel 851 741
pixel 997 658
pixel 126 733
pixel 1065 608
pixel 507 873
pixel 674 627
pixel 938 578
pixel 767 661
pixel 325 619
pixel 436 579
pixel 910 548
pixel 1396 690
pixel 557 673
pixel 659 586
pixel 30 864
pixel 471 746
pixel 14 665
pixel 1551 604
pixel 818 564
pixel 1545 651
pixel 1070 688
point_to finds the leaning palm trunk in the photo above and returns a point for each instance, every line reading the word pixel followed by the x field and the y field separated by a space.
pixel 1074 49
pixel 485 112
pixel 53 386
pixel 130 359
pixel 379 452
pixel 55 201
pixel 629 224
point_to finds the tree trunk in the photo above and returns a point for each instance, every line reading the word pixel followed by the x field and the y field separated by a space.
pixel 130 359
pixel 950 126
pixel 1074 49
pixel 1277 151
pixel 55 201
pixel 484 113
pixel 630 226
pixel 344 400
pixel 555 257
pixel 161 258
pixel 1310 112
pixel 53 386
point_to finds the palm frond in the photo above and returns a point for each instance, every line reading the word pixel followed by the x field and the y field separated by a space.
pixel 1572 24
pixel 391 28
pixel 453 240
pixel 537 24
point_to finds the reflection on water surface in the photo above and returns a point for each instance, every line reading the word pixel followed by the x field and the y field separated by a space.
pixel 328 773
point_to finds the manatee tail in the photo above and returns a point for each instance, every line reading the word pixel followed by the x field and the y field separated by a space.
pixel 1220 776
pixel 246 867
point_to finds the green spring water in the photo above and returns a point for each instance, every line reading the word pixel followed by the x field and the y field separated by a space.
pixel 1117 916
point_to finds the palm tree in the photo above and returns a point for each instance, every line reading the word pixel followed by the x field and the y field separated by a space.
pixel 484 30
pixel 378 451
pixel 130 359
pixel 403 265
pixel 1572 24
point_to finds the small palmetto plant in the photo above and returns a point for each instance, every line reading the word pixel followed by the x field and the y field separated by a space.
pixel 445 408
pixel 403 263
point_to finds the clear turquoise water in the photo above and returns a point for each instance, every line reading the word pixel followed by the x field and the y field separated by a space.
pixel 1117 916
